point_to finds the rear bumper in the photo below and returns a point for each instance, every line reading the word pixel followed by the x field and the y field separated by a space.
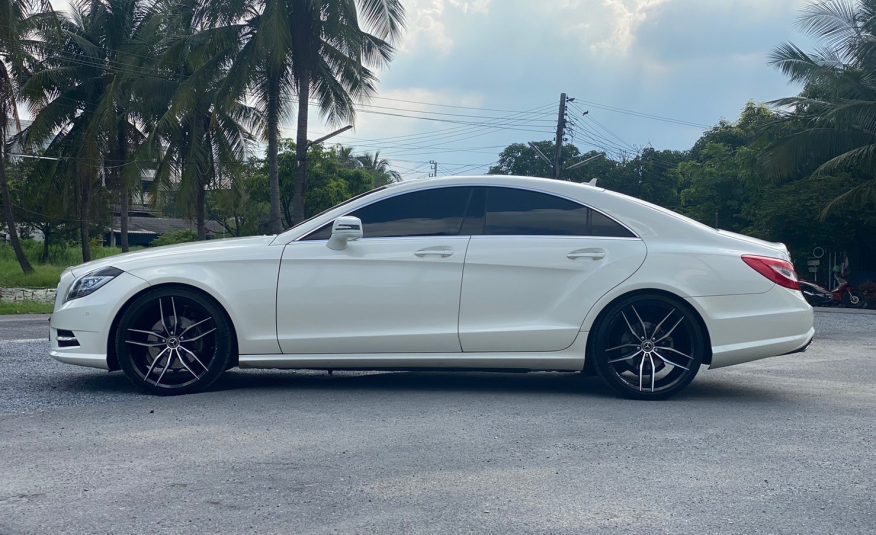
pixel 744 328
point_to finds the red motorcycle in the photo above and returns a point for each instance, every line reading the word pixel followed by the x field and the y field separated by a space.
pixel 843 295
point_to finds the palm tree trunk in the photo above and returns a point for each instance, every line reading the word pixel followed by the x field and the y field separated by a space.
pixel 273 112
pixel 8 214
pixel 298 207
pixel 83 218
pixel 200 209
pixel 124 193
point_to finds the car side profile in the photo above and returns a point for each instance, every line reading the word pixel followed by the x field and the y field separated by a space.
pixel 486 272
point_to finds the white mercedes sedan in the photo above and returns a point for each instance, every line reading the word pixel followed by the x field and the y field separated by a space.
pixel 488 273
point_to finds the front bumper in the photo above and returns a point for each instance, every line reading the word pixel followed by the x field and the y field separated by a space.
pixel 89 319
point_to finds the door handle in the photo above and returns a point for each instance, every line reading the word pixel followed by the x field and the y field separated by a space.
pixel 595 254
pixel 443 252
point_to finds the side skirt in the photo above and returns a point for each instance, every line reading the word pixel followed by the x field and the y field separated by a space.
pixel 570 359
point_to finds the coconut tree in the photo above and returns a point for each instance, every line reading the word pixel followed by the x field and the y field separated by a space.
pixel 199 135
pixel 379 167
pixel 16 24
pixel 323 50
pixel 832 123
pixel 87 86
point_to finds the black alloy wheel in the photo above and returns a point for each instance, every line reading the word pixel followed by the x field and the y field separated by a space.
pixel 173 341
pixel 648 346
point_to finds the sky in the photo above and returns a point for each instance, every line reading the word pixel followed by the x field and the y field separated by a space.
pixel 695 62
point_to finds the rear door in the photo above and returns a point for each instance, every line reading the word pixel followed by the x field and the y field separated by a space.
pixel 540 264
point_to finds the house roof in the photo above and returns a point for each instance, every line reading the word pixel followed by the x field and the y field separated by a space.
pixel 162 225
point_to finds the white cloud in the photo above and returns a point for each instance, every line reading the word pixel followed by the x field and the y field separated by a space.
pixel 430 22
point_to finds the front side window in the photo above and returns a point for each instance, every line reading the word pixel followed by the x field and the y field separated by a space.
pixel 530 213
pixel 432 212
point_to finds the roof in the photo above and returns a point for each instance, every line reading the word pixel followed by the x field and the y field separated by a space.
pixel 162 225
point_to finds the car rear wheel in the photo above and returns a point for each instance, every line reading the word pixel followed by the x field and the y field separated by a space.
pixel 648 346
pixel 173 341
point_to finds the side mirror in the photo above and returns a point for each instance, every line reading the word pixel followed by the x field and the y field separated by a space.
pixel 344 229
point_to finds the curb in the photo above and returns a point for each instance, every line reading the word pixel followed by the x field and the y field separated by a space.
pixel 838 310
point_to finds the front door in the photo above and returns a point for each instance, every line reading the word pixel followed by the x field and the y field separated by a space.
pixel 396 290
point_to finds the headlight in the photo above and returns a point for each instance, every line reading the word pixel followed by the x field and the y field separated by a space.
pixel 91 282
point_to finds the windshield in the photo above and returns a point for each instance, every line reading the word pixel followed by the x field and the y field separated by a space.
pixel 348 201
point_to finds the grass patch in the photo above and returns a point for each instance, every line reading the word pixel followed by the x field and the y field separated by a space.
pixel 25 307
pixel 45 275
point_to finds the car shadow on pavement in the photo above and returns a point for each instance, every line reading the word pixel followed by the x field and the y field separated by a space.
pixel 462 381
pixel 550 383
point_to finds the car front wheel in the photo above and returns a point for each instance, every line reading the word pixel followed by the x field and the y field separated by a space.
pixel 648 346
pixel 173 341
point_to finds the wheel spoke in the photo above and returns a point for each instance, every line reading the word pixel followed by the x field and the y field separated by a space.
pixel 665 336
pixel 166 366
pixel 657 328
pixel 641 373
pixel 154 362
pixel 175 317
pixel 144 344
pixel 674 351
pixel 186 366
pixel 152 333
pixel 653 371
pixel 642 323
pixel 667 361
pixel 622 346
pixel 193 356
pixel 634 355
pixel 203 334
pixel 161 311
pixel 193 325
pixel 635 334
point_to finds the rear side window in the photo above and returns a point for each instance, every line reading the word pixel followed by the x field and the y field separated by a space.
pixel 432 212
pixel 512 211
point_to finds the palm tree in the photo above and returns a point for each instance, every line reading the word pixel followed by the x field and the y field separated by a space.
pixel 833 121
pixel 88 88
pixel 380 167
pixel 199 135
pixel 321 49
pixel 16 23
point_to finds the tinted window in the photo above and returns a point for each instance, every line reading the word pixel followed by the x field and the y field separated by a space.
pixel 529 213
pixel 433 212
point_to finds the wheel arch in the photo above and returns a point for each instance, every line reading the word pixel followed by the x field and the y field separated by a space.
pixel 111 356
pixel 600 316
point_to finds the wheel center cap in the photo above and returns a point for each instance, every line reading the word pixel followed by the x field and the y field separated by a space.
pixel 647 346
pixel 173 342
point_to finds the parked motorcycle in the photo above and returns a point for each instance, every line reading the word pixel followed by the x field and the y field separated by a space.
pixel 843 295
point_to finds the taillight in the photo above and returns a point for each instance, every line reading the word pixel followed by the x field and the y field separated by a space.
pixel 775 269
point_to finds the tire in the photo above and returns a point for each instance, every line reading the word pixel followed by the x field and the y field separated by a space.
pixel 648 346
pixel 173 341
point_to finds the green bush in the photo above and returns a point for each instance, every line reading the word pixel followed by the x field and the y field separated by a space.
pixel 180 236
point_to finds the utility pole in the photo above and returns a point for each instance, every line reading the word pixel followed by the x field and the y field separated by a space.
pixel 434 172
pixel 561 132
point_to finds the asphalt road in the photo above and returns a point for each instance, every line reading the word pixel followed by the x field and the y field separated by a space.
pixel 784 445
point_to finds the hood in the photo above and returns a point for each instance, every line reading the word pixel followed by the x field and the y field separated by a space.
pixel 779 249
pixel 128 260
